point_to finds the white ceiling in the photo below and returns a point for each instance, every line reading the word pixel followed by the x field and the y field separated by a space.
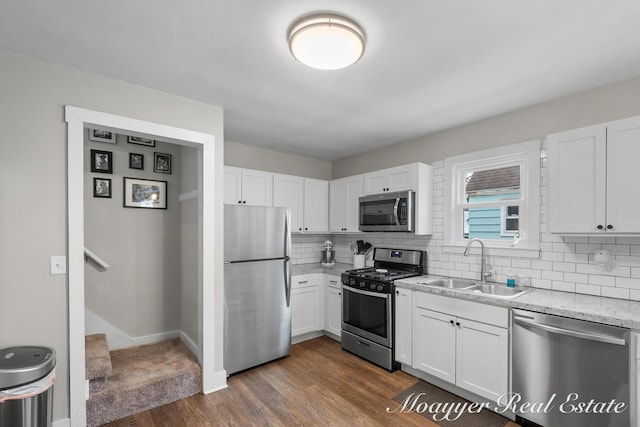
pixel 429 64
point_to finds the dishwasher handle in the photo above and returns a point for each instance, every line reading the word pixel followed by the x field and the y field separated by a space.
pixel 570 332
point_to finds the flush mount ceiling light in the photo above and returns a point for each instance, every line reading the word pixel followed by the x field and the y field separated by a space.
pixel 326 42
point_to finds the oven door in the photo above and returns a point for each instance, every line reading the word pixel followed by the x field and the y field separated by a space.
pixel 368 314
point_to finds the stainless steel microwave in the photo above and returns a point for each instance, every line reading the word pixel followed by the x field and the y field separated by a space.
pixel 388 212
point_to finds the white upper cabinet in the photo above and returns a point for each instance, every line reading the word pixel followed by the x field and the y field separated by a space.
pixel 344 204
pixel 247 187
pixel 308 200
pixel 288 192
pixel 400 178
pixel 592 188
pixel 316 206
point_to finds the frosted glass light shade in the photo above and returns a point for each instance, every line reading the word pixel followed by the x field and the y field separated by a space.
pixel 326 42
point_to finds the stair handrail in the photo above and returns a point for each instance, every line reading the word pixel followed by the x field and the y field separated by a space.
pixel 90 255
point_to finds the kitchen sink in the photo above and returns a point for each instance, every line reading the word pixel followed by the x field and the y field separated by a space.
pixel 494 290
pixel 497 290
pixel 448 283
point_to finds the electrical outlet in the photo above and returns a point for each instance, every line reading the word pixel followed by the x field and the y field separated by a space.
pixel 58 265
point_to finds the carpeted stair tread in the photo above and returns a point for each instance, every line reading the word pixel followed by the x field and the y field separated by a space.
pixel 97 357
pixel 143 378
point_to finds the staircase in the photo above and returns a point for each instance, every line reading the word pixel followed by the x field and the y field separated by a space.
pixel 135 379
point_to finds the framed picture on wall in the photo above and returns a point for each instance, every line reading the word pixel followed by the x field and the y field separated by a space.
pixel 102 187
pixel 136 161
pixel 162 163
pixel 141 141
pixel 102 136
pixel 145 193
pixel 101 161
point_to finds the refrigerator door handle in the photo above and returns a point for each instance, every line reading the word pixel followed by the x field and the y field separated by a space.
pixel 287 260
pixel 287 282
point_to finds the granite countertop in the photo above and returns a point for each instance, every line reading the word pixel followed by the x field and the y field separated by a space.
pixel 610 311
pixel 335 270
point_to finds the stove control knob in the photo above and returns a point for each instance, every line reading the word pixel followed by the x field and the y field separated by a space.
pixel 380 287
pixel 372 286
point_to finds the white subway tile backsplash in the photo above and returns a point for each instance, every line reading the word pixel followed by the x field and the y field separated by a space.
pixel 563 286
pixel 552 275
pixel 566 262
pixel 588 289
pixel 564 266
pixel 624 282
pixel 615 293
pixel 595 279
pixel 576 277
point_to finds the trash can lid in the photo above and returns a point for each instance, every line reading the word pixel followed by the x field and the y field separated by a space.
pixel 21 365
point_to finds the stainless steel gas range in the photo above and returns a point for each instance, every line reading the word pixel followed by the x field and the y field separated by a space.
pixel 368 304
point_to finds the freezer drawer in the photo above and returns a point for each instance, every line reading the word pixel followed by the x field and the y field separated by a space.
pixel 257 317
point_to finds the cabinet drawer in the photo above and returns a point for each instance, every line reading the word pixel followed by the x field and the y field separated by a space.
pixel 305 280
pixel 334 282
pixel 498 316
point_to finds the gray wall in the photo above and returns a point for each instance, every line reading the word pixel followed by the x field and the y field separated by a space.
pixel 599 105
pixel 247 156
pixel 189 245
pixel 33 179
pixel 140 293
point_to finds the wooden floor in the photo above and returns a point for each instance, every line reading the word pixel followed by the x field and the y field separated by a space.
pixel 318 385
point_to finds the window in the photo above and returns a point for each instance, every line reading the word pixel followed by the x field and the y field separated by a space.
pixel 494 195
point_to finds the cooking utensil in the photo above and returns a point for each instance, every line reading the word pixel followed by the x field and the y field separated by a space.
pixel 360 244
pixel 366 247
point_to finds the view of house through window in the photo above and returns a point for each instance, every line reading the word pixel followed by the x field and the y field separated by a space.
pixel 494 195
pixel 486 215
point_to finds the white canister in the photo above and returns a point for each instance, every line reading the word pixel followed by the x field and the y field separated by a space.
pixel 358 261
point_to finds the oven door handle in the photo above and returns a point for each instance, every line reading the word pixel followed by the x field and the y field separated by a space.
pixel 360 291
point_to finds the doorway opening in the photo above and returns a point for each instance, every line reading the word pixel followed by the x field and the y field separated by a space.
pixel 199 145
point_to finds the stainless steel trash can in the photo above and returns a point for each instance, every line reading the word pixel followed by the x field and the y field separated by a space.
pixel 27 375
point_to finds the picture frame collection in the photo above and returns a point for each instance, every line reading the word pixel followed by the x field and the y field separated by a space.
pixel 137 192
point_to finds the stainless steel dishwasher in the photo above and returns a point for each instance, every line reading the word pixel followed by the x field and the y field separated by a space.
pixel 569 372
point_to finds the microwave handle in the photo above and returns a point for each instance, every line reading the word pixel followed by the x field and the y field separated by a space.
pixel 395 211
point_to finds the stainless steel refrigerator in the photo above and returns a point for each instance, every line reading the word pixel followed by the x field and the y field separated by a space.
pixel 257 286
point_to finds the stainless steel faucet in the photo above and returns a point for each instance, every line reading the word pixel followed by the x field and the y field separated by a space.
pixel 483 259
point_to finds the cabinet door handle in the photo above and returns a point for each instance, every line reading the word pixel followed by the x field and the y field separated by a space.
pixel 451 321
pixel 397 292
pixel 599 227
pixel 302 281
pixel 457 323
pixel 339 293
pixel 609 227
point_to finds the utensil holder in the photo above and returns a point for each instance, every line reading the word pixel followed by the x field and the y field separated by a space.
pixel 358 261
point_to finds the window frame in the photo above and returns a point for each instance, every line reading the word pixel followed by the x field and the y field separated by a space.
pixel 527 156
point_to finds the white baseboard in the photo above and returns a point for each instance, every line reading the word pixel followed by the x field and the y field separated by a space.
pixel 149 339
pixel 217 382
pixel 65 422
pixel 191 344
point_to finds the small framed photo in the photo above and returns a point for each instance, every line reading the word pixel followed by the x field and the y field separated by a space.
pixel 162 162
pixel 136 161
pixel 141 141
pixel 102 136
pixel 102 187
pixel 101 161
pixel 145 193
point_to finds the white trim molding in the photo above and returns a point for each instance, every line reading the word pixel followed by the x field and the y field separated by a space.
pixel 209 344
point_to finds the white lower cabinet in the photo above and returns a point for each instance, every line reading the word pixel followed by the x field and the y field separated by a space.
pixel 333 307
pixel 307 303
pixel 462 342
